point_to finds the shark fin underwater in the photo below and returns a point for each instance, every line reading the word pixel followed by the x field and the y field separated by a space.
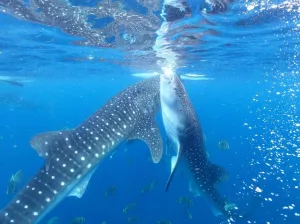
pixel 72 156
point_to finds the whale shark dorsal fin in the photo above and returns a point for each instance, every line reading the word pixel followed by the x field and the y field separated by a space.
pixel 44 144
pixel 79 190
pixel 147 131
pixel 218 174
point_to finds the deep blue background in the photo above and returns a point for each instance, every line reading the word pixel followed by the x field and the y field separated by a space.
pixel 241 105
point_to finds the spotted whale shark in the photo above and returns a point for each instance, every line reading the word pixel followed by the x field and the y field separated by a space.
pixel 184 132
pixel 72 156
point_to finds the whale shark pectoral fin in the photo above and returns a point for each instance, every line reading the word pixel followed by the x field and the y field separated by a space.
pixel 174 162
pixel 147 131
pixel 174 165
pixel 79 190
pixel 218 174
pixel 194 189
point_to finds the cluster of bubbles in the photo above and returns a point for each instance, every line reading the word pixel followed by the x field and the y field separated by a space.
pixel 275 132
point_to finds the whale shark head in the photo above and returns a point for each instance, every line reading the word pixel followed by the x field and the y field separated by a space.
pixel 175 105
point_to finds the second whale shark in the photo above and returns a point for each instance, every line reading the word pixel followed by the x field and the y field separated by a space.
pixel 184 131
pixel 72 156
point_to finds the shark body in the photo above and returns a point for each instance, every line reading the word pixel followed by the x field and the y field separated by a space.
pixel 72 156
pixel 183 129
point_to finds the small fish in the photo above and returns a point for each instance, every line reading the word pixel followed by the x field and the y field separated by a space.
pixel 132 220
pixel 148 187
pixel 78 220
pixel 111 190
pixel 11 187
pixel 54 220
pixel 188 213
pixel 164 222
pixel 186 201
pixel 14 181
pixel 230 206
pixel 129 208
pixel 223 144
pixel 17 177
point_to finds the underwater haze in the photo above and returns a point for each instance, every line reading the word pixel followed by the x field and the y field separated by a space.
pixel 239 60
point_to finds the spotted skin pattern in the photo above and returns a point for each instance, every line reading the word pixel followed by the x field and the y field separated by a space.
pixel 71 156
pixel 184 130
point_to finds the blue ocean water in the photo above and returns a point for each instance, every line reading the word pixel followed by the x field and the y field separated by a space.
pixel 249 52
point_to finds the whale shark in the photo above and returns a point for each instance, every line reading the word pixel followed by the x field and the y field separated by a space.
pixel 71 156
pixel 184 131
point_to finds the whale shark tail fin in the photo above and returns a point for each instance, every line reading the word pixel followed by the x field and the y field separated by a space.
pixel 218 174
